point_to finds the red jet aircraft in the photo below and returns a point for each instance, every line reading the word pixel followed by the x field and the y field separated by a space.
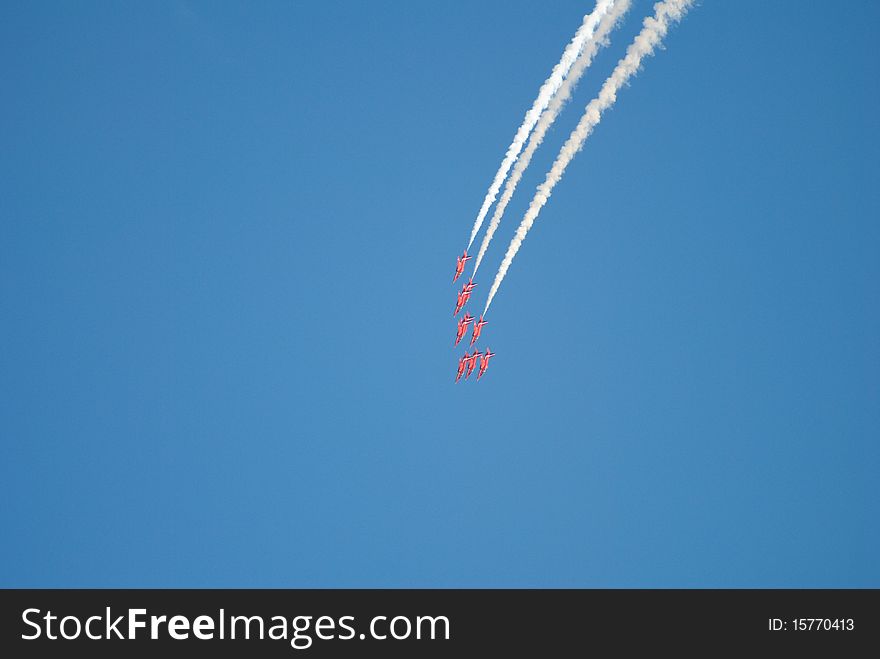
pixel 459 265
pixel 472 363
pixel 467 289
pixel 463 296
pixel 484 362
pixel 463 327
pixel 461 366
pixel 458 305
pixel 478 329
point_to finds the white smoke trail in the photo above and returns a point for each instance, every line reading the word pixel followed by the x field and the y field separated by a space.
pixel 653 31
pixel 608 22
pixel 548 89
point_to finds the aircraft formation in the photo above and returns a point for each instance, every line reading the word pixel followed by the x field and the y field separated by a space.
pixel 553 95
pixel 468 362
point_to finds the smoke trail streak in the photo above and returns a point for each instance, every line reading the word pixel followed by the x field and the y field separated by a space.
pixel 653 31
pixel 545 93
pixel 600 38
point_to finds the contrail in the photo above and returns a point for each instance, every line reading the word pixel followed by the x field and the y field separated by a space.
pixel 548 89
pixel 653 31
pixel 608 22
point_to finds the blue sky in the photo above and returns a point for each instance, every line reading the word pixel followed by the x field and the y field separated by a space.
pixel 227 234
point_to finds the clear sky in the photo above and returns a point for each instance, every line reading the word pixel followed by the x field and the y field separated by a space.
pixel 227 238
